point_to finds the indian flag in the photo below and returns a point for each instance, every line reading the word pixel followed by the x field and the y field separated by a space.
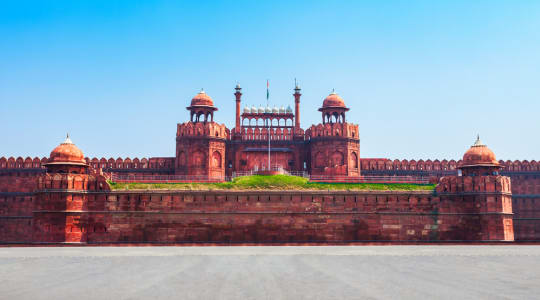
pixel 267 90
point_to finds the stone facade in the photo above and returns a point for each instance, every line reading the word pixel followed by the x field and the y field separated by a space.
pixel 268 138
pixel 66 198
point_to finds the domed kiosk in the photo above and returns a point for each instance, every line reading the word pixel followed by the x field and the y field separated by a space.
pixel 66 158
pixel 202 105
pixel 333 109
pixel 479 160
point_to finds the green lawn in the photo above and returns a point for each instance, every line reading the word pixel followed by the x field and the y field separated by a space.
pixel 275 182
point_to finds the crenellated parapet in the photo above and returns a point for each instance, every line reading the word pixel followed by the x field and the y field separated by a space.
pixel 154 163
pixel 77 182
pixel 520 166
pixel 202 129
pixel 382 164
pixel 474 184
pixel 20 163
pixel 95 163
pixel 330 130
pixel 320 130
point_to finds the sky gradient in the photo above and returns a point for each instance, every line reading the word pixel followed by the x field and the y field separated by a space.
pixel 422 78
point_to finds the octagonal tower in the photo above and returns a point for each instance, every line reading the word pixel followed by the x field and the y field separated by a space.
pixel 334 144
pixel 200 143
pixel 479 190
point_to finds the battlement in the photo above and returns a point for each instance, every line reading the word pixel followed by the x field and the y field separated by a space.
pixel 202 129
pixel 342 130
pixel 262 134
pixel 95 163
pixel 440 165
pixel 79 182
pixel 474 184
pixel 20 163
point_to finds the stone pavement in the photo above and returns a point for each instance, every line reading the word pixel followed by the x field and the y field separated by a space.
pixel 333 272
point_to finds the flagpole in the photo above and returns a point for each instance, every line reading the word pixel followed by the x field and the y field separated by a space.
pixel 268 120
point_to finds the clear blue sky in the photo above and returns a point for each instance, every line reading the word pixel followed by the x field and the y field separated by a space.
pixel 422 78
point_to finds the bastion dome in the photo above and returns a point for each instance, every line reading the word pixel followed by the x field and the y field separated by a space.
pixel 479 155
pixel 333 100
pixel 202 99
pixel 66 154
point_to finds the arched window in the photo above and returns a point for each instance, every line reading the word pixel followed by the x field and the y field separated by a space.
pixel 354 160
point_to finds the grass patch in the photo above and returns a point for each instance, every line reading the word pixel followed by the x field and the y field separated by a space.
pixel 274 182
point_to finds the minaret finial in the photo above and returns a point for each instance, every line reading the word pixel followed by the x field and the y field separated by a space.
pixel 478 142
pixel 68 140
pixel 296 87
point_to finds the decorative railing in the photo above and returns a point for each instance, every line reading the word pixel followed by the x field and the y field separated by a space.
pixel 167 178
pixel 274 168
pixel 370 179
pixel 314 178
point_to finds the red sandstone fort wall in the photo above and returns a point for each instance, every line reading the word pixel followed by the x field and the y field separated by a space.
pixel 16 204
pixel 525 178
pixel 17 198
pixel 151 165
pixel 189 216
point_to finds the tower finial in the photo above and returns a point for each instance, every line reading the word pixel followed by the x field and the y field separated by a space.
pixel 478 142
pixel 333 91
pixel 68 140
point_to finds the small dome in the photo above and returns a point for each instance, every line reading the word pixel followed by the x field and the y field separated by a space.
pixel 275 110
pixel 253 109
pixel 247 110
pixel 261 109
pixel 289 109
pixel 66 154
pixel 268 109
pixel 479 155
pixel 333 100
pixel 202 99
pixel 282 110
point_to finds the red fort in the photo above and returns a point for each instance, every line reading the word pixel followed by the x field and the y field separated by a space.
pixel 67 198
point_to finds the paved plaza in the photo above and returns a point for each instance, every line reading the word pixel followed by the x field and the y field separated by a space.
pixel 348 272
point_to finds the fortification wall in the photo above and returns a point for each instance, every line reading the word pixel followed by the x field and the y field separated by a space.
pixel 17 187
pixel 207 216
pixel 525 178
pixel 382 164
pixel 526 203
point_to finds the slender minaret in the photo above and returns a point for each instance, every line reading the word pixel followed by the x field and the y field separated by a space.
pixel 296 106
pixel 238 95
